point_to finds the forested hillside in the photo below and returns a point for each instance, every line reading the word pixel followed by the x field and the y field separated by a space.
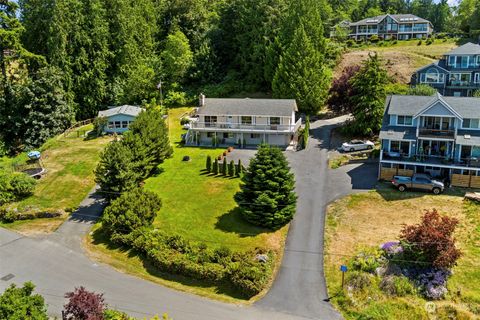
pixel 63 60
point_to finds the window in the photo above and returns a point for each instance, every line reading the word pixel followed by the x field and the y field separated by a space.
pixel 255 136
pixel 433 76
pixel 404 120
pixel 402 147
pixel 246 120
pixel 118 124
pixel 210 134
pixel 465 62
pixel 210 121
pixel 111 125
pixel 452 61
pixel 477 78
pixel 470 123
pixel 124 124
pixel 460 78
pixel 478 60
pixel 274 120
pixel 228 135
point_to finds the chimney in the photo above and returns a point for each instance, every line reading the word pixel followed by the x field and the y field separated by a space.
pixel 201 100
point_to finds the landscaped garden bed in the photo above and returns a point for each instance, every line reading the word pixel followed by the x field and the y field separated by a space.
pixel 384 279
pixel 199 241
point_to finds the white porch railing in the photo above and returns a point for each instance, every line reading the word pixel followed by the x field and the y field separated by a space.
pixel 225 126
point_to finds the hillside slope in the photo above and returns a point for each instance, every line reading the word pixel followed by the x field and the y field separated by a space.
pixel 402 59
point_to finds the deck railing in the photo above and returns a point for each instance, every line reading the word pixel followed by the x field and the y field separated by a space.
pixel 246 126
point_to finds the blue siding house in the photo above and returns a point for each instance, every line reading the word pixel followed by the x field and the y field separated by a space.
pixel 119 118
pixel 435 135
pixel 456 74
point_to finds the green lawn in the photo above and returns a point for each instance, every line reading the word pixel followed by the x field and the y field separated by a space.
pixel 373 218
pixel 199 207
pixel 69 162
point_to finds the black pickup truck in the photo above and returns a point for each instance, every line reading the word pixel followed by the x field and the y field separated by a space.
pixel 418 182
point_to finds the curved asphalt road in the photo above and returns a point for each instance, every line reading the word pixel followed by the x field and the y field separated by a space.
pixel 57 264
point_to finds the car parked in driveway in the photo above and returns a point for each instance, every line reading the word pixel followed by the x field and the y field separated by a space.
pixel 357 145
pixel 418 182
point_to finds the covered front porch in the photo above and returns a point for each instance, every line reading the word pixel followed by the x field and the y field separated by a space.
pixel 238 139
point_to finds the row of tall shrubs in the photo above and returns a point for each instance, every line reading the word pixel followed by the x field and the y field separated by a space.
pixel 128 221
pixel 225 169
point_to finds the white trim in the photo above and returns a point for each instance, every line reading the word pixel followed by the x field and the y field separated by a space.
pixel 433 103
pixel 403 125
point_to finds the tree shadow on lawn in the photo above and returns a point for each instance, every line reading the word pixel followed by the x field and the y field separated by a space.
pixel 100 238
pixel 233 222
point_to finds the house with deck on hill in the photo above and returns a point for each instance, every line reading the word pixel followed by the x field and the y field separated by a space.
pixel 389 26
pixel 243 122
pixel 436 135
pixel 456 74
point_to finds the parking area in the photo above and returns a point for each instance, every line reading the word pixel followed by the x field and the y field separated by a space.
pixel 243 155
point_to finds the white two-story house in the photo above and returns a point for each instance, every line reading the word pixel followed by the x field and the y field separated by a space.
pixel 243 122
pixel 432 134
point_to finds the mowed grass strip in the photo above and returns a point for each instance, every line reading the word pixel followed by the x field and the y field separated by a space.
pixel 376 217
pixel 69 162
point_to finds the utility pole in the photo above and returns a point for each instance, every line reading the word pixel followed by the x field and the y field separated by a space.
pixel 159 87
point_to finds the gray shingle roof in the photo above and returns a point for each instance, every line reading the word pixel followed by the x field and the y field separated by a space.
pixel 468 137
pixel 466 107
pixel 397 17
pixel 126 109
pixel 467 48
pixel 247 107
pixel 398 133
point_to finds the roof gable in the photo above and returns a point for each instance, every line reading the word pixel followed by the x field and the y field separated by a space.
pixel 438 107
pixel 126 110
pixel 433 65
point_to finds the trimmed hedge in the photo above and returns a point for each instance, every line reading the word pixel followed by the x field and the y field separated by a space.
pixel 176 255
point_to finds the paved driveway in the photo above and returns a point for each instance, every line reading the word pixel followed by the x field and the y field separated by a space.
pixel 56 263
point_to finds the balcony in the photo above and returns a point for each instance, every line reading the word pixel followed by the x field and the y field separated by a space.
pixel 462 84
pixel 225 127
pixel 431 160
pixel 436 133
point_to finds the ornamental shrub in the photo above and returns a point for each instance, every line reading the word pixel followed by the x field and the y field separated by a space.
pixel 14 186
pixel 239 168
pixel 132 210
pixel 22 303
pixel 215 167
pixel 84 305
pixel 399 286
pixel 208 165
pixel 431 241
pixel 266 197
pixel 224 167
pixel 358 280
pixel 368 260
pixel 231 168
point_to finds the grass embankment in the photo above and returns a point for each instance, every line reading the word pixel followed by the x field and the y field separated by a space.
pixel 69 162
pixel 376 217
pixel 401 59
pixel 196 205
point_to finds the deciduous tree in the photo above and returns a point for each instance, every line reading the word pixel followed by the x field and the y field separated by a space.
pixel 18 303
pixel 83 305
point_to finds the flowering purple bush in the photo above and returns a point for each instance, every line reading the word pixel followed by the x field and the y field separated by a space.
pixel 392 248
pixel 432 282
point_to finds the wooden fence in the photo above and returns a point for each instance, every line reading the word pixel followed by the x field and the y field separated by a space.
pixel 77 125
pixel 467 181
pixel 388 173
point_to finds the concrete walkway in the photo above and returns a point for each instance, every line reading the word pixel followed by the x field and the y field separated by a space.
pixel 57 263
